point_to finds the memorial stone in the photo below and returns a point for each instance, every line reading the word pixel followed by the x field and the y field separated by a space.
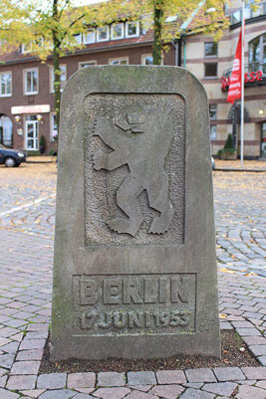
pixel 135 267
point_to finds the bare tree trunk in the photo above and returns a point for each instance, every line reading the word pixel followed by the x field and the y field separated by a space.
pixel 157 44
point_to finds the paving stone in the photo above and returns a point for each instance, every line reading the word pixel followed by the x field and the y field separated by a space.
pixel 247 331
pixel 262 360
pixel 114 393
pixel 171 377
pixel 85 390
pixel 79 380
pixel 30 354
pixel 200 375
pixel 52 381
pixel 228 373
pixel 3 341
pixel 167 391
pixel 58 394
pixel 248 392
pixel 220 388
pixel 141 378
pixel 20 382
pixel 143 388
pixel 261 384
pixel 3 381
pixel 191 393
pixel 27 367
pixel 258 350
pixel 254 373
pixel 196 385
pixel 32 344
pixel 33 393
pixel 255 340
pixel 140 395
pixel 111 379
pixel 5 394
pixel 83 396
pixel 7 360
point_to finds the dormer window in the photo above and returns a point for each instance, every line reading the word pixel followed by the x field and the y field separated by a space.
pixel 103 34
pixel 117 31
pixel 132 28
pixel 89 36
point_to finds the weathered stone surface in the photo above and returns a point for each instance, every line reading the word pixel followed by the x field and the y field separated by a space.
pixel 135 267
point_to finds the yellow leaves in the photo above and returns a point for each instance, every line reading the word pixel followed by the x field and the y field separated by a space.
pixel 223 270
pixel 222 315
pixel 251 274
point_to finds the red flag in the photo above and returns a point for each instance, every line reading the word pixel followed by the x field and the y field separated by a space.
pixel 234 92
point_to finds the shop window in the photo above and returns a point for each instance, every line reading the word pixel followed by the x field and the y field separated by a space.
pixel 257 54
pixel 63 78
pixel 5 84
pixel 89 36
pixel 132 28
pixel 210 70
pixel 118 61
pixel 31 81
pixel 210 49
pixel 117 31
pixel 103 34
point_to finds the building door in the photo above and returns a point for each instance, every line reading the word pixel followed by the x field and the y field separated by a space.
pixel 32 134
pixel 263 140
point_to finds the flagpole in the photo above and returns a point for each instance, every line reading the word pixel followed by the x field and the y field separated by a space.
pixel 242 84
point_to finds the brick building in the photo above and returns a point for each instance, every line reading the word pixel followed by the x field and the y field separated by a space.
pixel 26 85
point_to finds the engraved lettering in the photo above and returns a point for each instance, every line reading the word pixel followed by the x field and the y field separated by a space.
pixel 88 320
pixel 179 289
pixel 106 321
pixel 120 319
pixel 135 319
pixel 88 292
pixel 131 291
pixel 112 292
pixel 164 318
pixel 163 290
pixel 175 319
pixel 150 290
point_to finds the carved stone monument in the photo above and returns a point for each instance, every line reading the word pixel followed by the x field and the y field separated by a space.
pixel 135 267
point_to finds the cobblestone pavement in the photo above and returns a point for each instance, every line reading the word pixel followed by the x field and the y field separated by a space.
pixel 26 243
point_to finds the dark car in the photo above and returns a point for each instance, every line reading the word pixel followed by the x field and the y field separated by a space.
pixel 11 157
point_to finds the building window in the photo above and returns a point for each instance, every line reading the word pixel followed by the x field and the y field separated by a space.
pixel 89 36
pixel 210 70
pixel 213 111
pixel 146 59
pixel 31 81
pixel 63 78
pixel 86 64
pixel 103 34
pixel 213 132
pixel 78 39
pixel 210 49
pixel 117 31
pixel 257 54
pixel 118 61
pixel 5 84
pixel 132 29
pixel 53 128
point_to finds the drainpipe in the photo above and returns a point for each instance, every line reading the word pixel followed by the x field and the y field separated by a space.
pixel 176 45
pixel 185 53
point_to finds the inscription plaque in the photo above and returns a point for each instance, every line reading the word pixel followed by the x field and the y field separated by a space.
pixel 134 265
pixel 134 304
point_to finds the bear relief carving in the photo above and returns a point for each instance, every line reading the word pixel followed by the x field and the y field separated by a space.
pixel 143 144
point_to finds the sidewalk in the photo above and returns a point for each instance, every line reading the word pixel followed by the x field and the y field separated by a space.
pixel 27 204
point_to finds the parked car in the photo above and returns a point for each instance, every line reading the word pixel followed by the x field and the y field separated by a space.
pixel 11 157
pixel 213 164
